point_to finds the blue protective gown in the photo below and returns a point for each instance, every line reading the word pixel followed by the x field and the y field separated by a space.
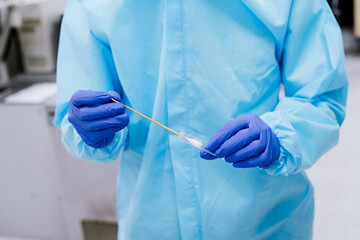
pixel 193 66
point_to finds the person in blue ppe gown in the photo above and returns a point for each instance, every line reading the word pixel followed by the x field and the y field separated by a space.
pixel 212 69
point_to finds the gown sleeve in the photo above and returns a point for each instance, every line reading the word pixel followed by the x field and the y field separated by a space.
pixel 307 119
pixel 84 62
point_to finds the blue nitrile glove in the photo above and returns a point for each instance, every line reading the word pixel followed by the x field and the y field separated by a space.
pixel 95 117
pixel 246 141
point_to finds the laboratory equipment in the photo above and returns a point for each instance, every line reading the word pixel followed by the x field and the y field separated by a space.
pixel 12 20
pixel 28 37
pixel 39 33
pixel 37 25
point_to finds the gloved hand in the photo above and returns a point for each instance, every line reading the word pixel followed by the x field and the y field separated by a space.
pixel 95 117
pixel 246 141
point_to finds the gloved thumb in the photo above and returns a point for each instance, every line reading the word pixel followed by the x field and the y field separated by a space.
pixel 115 95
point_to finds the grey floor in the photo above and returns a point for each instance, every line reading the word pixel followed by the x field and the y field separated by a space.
pixel 336 176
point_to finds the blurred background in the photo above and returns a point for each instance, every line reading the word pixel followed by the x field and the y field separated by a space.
pixel 47 194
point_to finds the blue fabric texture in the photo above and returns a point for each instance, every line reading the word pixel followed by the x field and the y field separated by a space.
pixel 194 66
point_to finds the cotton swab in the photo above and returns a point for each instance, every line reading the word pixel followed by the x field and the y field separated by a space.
pixel 194 142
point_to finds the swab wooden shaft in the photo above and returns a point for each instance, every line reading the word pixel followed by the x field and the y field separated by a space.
pixel 133 110
pixel 180 135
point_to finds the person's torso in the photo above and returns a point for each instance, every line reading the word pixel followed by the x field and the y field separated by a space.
pixel 193 66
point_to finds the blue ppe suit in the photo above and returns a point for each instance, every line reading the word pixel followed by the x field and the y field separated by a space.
pixel 193 66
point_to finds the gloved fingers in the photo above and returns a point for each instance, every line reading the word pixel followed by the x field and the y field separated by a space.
pixel 114 95
pixel 121 120
pixel 99 141
pixel 97 136
pixel 254 161
pixel 236 142
pixel 267 158
pixel 107 132
pixel 206 155
pixel 88 97
pixel 227 131
pixel 255 148
pixel 87 113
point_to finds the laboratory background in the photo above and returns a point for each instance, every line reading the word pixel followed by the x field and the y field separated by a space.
pixel 47 194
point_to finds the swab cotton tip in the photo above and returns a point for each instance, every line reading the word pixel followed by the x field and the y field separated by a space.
pixel 195 143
